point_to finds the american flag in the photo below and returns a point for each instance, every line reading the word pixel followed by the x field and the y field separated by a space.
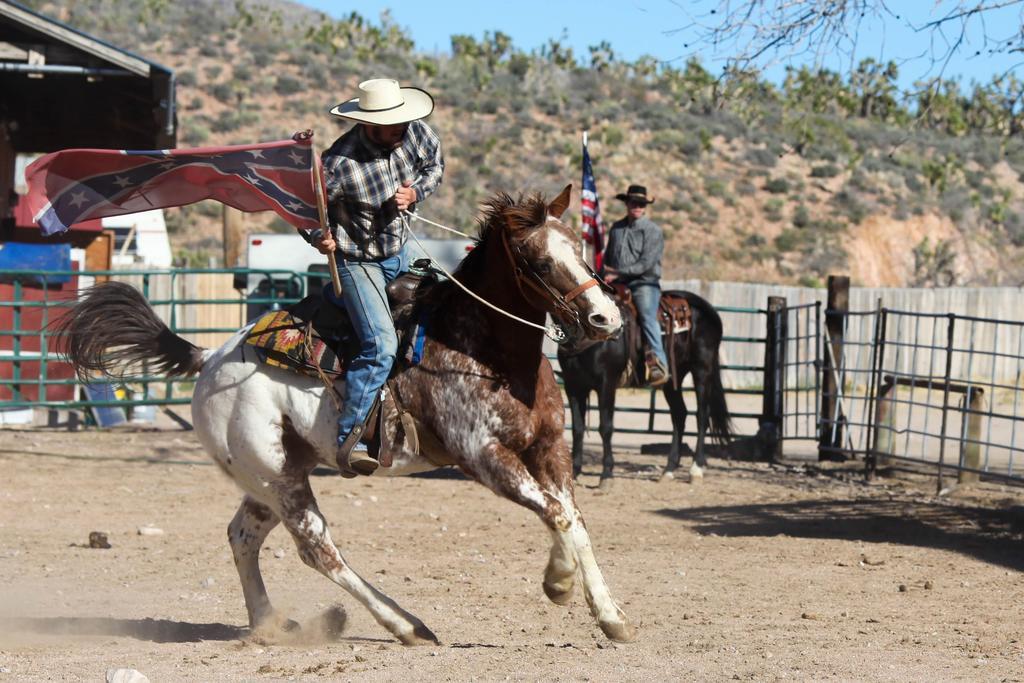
pixel 75 185
pixel 593 231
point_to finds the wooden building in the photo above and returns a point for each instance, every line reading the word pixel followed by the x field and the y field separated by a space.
pixel 61 88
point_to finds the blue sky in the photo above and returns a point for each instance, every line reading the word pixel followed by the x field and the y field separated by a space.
pixel 657 28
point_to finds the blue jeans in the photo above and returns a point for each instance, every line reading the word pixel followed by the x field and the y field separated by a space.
pixel 364 297
pixel 647 296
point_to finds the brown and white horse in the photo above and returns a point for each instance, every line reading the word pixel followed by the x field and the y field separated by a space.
pixel 483 389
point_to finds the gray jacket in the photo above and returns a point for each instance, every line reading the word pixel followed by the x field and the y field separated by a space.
pixel 635 250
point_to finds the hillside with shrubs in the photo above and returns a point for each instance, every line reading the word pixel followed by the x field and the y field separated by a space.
pixel 754 181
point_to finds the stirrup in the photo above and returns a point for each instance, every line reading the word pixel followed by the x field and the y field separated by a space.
pixel 352 462
pixel 657 374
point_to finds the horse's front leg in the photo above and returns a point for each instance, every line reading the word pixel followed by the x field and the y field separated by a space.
pixel 677 409
pixel 578 411
pixel 606 426
pixel 544 484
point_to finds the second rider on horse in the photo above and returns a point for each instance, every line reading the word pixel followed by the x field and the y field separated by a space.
pixel 633 258
pixel 381 167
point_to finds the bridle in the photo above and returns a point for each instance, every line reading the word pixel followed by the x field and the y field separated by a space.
pixel 521 270
pixel 555 303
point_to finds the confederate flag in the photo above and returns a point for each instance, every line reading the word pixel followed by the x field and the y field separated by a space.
pixel 593 231
pixel 74 185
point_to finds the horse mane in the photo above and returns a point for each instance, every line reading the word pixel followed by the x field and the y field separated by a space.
pixel 499 211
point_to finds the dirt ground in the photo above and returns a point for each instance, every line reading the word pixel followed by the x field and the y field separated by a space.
pixel 759 573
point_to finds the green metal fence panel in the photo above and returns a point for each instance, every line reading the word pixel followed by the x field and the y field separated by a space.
pixel 282 287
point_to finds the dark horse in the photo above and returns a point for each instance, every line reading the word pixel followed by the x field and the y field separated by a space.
pixel 600 367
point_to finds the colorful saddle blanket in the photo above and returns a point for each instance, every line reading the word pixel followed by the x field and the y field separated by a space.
pixel 284 341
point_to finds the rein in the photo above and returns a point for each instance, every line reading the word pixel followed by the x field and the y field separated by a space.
pixel 553 332
pixel 542 288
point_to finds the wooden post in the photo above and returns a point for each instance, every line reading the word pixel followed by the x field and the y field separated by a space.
pixel 832 420
pixel 321 207
pixel 770 431
pixel 233 236
pixel 970 449
pixel 99 254
pixel 7 161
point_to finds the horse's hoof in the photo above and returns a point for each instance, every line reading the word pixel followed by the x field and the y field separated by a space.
pixel 273 630
pixel 558 594
pixel 667 475
pixel 606 484
pixel 619 631
pixel 332 622
pixel 696 474
pixel 421 635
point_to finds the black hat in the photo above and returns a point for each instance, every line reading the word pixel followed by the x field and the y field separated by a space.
pixel 635 193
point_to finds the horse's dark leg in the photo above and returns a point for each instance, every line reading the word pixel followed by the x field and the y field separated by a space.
pixel 578 410
pixel 606 408
pixel 700 386
pixel 677 409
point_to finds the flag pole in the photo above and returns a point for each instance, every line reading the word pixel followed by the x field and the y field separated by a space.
pixel 321 207
pixel 585 246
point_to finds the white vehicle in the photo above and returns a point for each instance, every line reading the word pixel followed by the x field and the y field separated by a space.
pixel 288 266
pixel 140 239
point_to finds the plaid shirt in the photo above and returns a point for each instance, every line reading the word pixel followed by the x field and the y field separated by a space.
pixel 362 179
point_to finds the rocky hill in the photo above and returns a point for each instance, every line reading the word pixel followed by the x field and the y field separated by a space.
pixel 754 181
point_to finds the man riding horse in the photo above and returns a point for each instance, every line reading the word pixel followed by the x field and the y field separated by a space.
pixel 633 258
pixel 382 166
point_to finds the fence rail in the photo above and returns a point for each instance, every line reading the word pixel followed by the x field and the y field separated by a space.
pixel 907 383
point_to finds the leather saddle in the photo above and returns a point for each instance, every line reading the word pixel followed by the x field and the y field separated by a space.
pixel 315 337
pixel 675 317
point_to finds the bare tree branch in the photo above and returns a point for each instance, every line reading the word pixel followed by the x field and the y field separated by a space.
pixel 758 33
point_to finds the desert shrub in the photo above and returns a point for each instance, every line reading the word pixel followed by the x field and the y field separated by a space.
pixel 223 92
pixel 745 187
pixel 242 72
pixel 825 171
pixel 613 136
pixel 231 120
pixel 209 208
pixel 1014 227
pixel 760 156
pixel 849 204
pixel 186 78
pixel 789 240
pixel 777 185
pixel 668 141
pixel 773 209
pixel 212 71
pixel 288 85
pixel 194 133
pixel 262 57
pixel 716 187
pixel 801 217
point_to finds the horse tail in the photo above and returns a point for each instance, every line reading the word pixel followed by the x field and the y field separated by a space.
pixel 722 429
pixel 112 326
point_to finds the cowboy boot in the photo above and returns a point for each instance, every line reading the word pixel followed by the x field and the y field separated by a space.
pixel 351 461
pixel 657 373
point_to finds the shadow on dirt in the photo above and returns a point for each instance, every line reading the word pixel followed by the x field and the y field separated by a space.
pixel 154 630
pixel 993 536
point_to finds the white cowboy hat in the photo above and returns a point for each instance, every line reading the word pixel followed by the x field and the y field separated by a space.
pixel 382 102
